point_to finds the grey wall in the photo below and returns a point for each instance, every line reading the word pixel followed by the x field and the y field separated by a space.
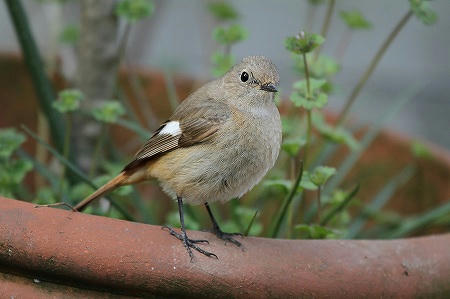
pixel 178 36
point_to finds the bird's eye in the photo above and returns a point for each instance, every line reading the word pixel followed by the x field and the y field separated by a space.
pixel 244 77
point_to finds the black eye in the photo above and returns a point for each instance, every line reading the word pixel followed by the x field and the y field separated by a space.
pixel 244 77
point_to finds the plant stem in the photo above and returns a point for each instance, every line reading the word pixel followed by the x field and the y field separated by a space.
pixel 43 87
pixel 308 113
pixel 343 45
pixel 319 188
pixel 171 89
pixel 123 43
pixel 375 60
pixel 311 12
pixel 97 151
pixel 276 229
pixel 326 24
pixel 66 148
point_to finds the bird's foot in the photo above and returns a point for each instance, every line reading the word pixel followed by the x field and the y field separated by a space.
pixel 190 243
pixel 227 237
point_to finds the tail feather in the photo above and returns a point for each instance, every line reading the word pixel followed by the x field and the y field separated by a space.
pixel 112 184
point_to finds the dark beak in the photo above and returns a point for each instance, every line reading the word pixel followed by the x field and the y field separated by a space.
pixel 269 87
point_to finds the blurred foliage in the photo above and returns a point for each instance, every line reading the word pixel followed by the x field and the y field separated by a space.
pixel 226 36
pixel 420 150
pixel 223 11
pixel 422 10
pixel 12 170
pixel 135 10
pixel 68 100
pixel 231 35
pixel 70 35
pixel 312 98
pixel 321 174
pixel 222 63
pixel 109 112
pixel 355 20
pixel 303 43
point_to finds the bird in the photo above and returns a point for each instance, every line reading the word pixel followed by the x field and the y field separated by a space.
pixel 217 145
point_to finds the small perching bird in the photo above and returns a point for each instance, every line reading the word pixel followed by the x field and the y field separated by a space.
pixel 218 144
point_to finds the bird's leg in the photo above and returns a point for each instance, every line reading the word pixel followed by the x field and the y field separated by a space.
pixel 188 243
pixel 219 233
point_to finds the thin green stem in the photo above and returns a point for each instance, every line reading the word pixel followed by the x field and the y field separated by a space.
pixel 286 203
pixel 66 148
pixel 326 24
pixel 308 89
pixel 97 150
pixel 171 89
pixel 308 113
pixel 41 82
pixel 318 203
pixel 373 64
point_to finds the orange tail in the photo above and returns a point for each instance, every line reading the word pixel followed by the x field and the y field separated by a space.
pixel 112 184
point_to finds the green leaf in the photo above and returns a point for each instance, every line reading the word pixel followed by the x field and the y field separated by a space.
pixel 306 182
pixel 321 174
pixel 223 11
pixel 420 150
pixel 314 231
pixel 292 146
pixel 315 85
pixel 70 34
pixel 10 140
pixel 303 43
pixel 322 67
pixel 17 170
pixel 221 63
pixel 12 173
pixel 108 112
pixel 341 201
pixel 284 185
pixel 135 10
pixel 68 100
pixel 422 10
pixel 317 98
pixel 231 35
pixel 335 134
pixel 354 19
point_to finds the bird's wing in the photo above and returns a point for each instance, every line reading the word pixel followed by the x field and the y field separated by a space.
pixel 189 125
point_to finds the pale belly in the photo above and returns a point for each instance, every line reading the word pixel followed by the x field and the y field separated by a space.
pixel 206 173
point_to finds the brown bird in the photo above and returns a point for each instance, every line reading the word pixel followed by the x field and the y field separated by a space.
pixel 218 144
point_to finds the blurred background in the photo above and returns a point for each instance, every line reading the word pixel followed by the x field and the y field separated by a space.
pixel 178 37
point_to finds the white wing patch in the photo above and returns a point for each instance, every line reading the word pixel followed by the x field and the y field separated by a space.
pixel 171 128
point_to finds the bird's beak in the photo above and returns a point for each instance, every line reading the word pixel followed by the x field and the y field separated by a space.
pixel 269 87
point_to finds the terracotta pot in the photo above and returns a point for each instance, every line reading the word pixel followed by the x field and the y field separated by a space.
pixel 54 253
